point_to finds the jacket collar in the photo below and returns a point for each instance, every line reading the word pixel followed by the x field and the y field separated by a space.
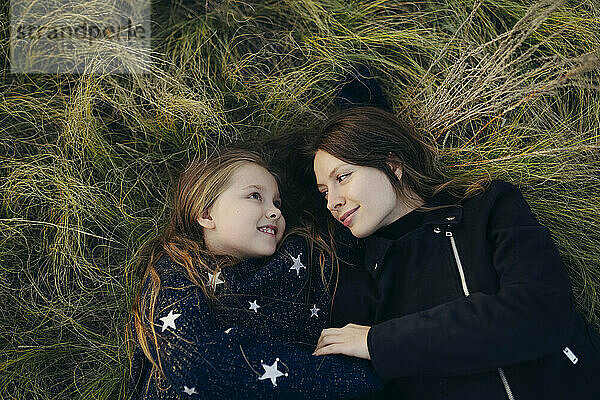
pixel 377 247
pixel 448 215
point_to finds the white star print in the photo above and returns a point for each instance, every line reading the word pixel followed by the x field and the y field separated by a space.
pixel 314 311
pixel 271 372
pixel 190 391
pixel 213 280
pixel 254 306
pixel 297 264
pixel 169 320
pixel 228 330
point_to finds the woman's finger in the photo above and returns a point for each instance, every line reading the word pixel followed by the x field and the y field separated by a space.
pixel 328 340
pixel 329 331
pixel 331 349
pixel 328 335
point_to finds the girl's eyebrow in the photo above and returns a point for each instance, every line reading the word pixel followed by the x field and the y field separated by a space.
pixel 258 187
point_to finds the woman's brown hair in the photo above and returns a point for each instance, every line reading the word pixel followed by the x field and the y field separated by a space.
pixel 372 137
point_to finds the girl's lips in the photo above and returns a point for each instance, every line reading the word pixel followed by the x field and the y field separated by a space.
pixel 346 219
pixel 272 227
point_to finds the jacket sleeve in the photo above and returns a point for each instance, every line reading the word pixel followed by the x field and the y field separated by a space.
pixel 529 316
pixel 202 357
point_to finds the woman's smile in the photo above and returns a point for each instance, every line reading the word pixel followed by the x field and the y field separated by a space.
pixel 344 185
pixel 346 219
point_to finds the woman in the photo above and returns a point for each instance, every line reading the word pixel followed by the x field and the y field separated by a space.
pixel 462 294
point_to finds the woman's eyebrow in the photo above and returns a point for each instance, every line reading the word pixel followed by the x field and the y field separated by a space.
pixel 332 173
pixel 335 170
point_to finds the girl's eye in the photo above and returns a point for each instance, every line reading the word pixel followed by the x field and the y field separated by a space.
pixel 324 194
pixel 277 203
pixel 341 177
pixel 255 195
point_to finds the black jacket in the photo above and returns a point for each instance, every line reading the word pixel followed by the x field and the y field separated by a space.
pixel 473 303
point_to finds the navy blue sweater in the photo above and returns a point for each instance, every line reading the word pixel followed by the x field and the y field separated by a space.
pixel 255 341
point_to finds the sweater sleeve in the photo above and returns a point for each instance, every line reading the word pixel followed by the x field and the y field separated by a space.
pixel 529 316
pixel 203 358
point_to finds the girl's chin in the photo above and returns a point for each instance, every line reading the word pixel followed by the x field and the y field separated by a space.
pixel 263 254
pixel 269 251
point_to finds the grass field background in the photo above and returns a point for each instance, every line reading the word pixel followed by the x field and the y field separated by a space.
pixel 508 89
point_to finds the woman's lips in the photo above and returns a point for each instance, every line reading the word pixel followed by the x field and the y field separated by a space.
pixel 346 219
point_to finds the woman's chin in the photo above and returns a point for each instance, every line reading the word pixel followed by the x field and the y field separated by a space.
pixel 359 233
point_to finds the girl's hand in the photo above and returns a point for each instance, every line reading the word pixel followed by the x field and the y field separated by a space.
pixel 350 340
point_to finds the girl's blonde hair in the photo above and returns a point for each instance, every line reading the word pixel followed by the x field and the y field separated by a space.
pixel 182 239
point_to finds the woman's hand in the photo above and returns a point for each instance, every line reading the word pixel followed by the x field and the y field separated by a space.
pixel 350 340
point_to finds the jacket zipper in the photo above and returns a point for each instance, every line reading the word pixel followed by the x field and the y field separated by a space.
pixel 463 281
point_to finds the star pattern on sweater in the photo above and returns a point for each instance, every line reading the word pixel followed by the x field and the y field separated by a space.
pixel 297 264
pixel 271 372
pixel 314 311
pixel 286 295
pixel 254 306
pixel 169 321
pixel 214 280
pixel 190 391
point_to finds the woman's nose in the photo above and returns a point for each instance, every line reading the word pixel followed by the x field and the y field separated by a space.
pixel 334 200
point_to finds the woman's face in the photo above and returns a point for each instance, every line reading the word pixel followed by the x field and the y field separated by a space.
pixel 361 198
pixel 245 221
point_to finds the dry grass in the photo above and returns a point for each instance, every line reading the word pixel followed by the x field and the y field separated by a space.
pixel 507 89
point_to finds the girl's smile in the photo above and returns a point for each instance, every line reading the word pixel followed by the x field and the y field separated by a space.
pixel 245 220
pixel 270 230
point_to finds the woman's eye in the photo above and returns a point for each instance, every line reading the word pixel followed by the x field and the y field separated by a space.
pixel 324 194
pixel 342 177
pixel 255 195
pixel 277 203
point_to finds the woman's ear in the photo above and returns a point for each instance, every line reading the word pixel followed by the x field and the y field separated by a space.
pixel 398 171
pixel 395 165
pixel 206 220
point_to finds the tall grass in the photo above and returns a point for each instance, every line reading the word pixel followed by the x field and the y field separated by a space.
pixel 507 89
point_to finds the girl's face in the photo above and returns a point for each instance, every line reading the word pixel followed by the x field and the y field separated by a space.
pixel 245 221
pixel 361 198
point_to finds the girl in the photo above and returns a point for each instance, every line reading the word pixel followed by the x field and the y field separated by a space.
pixel 214 318
pixel 462 294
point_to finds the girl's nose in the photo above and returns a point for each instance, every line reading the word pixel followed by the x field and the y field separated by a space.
pixel 273 213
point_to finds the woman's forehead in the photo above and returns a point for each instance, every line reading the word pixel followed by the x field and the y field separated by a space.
pixel 326 165
pixel 325 159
